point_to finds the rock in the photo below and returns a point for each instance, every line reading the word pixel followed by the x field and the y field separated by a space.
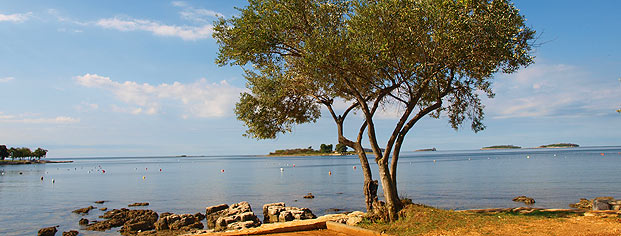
pixel 602 203
pixel 100 202
pixel 83 211
pixel 200 216
pixel 212 214
pixel 71 233
pixel 165 214
pixel 49 231
pixel 130 220
pixel 355 218
pixel 278 212
pixel 103 209
pixel 236 216
pixel 524 199
pixel 582 204
pixel 138 204
pixel 309 196
pixel 83 221
pixel 183 222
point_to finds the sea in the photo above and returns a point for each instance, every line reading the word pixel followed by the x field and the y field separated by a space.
pixel 471 179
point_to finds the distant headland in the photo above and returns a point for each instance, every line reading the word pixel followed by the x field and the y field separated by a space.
pixel 555 145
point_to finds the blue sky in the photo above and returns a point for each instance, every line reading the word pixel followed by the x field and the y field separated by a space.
pixel 138 78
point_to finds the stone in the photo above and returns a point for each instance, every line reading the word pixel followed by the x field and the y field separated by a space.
pixel 183 222
pixel 138 204
pixel 49 231
pixel 165 214
pixel 309 196
pixel 130 221
pixel 200 216
pixel 601 204
pixel 278 212
pixel 100 202
pixel 524 199
pixel 236 216
pixel 83 211
pixel 103 209
pixel 582 204
pixel 355 218
pixel 71 233
pixel 83 221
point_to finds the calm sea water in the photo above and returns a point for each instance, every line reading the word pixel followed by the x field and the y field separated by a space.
pixel 456 180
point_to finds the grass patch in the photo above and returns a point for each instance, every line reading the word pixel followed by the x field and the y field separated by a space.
pixel 416 219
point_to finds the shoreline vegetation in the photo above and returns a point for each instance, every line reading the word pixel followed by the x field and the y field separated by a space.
pixel 555 145
pixel 26 162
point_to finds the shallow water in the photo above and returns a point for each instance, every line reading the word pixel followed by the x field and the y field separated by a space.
pixel 456 180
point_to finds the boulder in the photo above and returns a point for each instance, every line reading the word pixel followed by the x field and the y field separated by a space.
pixel 130 221
pixel 138 204
pixel 165 214
pixel 309 196
pixel 524 199
pixel 83 211
pixel 49 231
pixel 236 216
pixel 71 233
pixel 278 212
pixel 212 214
pixel 200 216
pixel 183 222
pixel 582 204
pixel 602 203
pixel 83 221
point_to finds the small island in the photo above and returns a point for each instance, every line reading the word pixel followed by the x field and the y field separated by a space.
pixel 426 150
pixel 496 147
pixel 324 150
pixel 23 155
pixel 560 145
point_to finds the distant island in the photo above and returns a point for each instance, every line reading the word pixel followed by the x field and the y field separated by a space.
pixel 426 150
pixel 324 150
pixel 501 147
pixel 560 145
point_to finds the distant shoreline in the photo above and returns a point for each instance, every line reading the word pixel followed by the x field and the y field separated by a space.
pixel 25 162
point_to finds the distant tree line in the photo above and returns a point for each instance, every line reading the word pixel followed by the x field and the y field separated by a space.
pixel 21 153
pixel 323 148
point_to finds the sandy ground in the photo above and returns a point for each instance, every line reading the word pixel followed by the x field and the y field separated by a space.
pixel 580 225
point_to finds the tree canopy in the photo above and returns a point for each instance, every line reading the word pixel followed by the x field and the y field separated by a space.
pixel 428 57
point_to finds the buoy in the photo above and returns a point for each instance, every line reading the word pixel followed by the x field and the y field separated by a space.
pixel 146 168
pixel 293 165
pixel 329 172
pixel 282 170
pixel 434 161
pixel 469 159
pixel 527 157
pixel 222 170
pixel 160 169
pixel 103 171
pixel 53 181
pixel 354 167
pixel 601 154
pixel 143 177
pixel 41 178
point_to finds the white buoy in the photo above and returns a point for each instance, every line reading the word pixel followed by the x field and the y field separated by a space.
pixel 282 169
pixel 434 161
pixel 527 157
pixel 53 181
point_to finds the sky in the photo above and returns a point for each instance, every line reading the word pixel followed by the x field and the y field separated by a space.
pixel 86 78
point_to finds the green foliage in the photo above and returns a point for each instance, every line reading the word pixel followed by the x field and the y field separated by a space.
pixel 305 53
pixel 39 153
pixel 4 152
pixel 323 148
pixel 296 151
pixel 341 148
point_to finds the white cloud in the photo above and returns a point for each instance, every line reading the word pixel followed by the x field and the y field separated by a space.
pixel 16 18
pixel 183 32
pixel 552 91
pixel 198 99
pixel 31 119
pixel 6 79
pixel 199 15
pixel 85 106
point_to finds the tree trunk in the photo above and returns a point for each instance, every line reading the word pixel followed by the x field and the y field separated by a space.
pixel 370 185
pixel 393 204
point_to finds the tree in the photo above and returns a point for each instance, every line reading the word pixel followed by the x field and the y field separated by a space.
pixel 427 57
pixel 341 148
pixel 4 152
pixel 39 153
pixel 323 148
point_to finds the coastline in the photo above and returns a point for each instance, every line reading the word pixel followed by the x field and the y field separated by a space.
pixel 25 162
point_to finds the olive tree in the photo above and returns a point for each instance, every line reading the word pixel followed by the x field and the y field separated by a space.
pixel 429 57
